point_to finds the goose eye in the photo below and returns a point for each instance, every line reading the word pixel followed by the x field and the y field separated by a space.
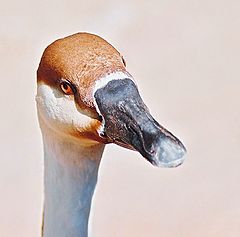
pixel 66 88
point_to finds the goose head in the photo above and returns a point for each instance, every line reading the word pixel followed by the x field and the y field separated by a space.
pixel 86 95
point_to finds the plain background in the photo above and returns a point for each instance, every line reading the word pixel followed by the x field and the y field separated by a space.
pixel 184 55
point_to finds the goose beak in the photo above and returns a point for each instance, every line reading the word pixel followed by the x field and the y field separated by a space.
pixel 127 122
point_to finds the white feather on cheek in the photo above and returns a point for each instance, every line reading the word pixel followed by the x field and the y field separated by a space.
pixel 59 111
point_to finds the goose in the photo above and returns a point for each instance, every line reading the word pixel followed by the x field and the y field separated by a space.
pixel 86 99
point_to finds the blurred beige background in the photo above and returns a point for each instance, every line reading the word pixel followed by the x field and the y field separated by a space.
pixel 185 56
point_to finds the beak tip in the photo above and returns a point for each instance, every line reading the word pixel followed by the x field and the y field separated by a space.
pixel 171 164
pixel 169 154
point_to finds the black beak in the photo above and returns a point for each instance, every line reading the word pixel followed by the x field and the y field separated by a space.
pixel 128 122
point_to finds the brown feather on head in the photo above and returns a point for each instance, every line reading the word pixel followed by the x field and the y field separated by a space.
pixel 82 59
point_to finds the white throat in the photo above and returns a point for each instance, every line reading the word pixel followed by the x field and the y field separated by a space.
pixel 70 176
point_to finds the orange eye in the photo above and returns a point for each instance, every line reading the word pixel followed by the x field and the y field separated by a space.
pixel 66 88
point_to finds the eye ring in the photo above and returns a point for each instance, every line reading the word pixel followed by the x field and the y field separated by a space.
pixel 66 87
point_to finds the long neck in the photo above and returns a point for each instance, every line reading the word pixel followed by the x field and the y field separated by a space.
pixel 70 176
